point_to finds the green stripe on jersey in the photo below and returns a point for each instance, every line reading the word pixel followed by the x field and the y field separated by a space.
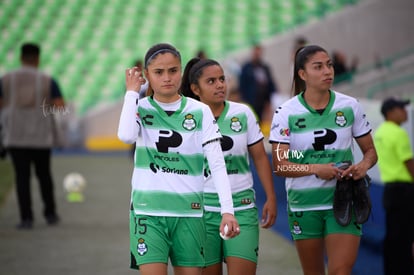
pixel 150 158
pixel 178 121
pixel 335 119
pixel 240 199
pixel 177 204
pixel 310 197
pixel 234 165
pixel 321 157
pixel 237 163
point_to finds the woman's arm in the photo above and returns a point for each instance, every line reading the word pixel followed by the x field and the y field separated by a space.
pixel 264 170
pixel 128 127
pixel 215 158
pixel 359 170
pixel 284 168
pixel 410 167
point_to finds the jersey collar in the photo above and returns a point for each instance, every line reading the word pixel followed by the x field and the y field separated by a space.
pixel 313 111
pixel 224 112
pixel 162 111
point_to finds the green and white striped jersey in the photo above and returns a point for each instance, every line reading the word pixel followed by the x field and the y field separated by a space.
pixel 168 173
pixel 315 137
pixel 240 129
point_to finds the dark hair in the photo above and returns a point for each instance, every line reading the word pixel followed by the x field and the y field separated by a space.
pixel 153 52
pixel 138 63
pixel 301 57
pixel 158 49
pixel 192 73
pixel 201 54
pixel 30 50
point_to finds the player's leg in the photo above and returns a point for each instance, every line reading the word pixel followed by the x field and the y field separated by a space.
pixel 307 229
pixel 239 266
pixel 149 244
pixel 153 268
pixel 241 252
pixel 188 240
pixel 342 251
pixel 342 243
pixel 213 251
pixel 311 256
pixel 180 270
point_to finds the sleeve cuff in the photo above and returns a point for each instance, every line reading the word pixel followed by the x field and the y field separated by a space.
pixel 132 94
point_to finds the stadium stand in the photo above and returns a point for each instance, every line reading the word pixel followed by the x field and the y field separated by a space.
pixel 394 75
pixel 87 44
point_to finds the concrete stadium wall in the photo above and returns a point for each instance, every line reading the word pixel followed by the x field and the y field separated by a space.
pixel 367 30
pixel 100 127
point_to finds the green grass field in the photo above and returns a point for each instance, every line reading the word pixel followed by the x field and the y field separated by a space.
pixel 6 178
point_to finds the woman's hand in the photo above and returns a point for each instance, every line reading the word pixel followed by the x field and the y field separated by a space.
pixel 133 79
pixel 269 213
pixel 326 171
pixel 356 172
pixel 232 224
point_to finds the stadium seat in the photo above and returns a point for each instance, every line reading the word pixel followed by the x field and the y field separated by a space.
pixel 87 45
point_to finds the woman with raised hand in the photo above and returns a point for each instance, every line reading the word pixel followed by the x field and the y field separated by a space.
pixel 173 134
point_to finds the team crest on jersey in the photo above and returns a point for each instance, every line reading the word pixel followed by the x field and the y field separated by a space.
pixel 189 122
pixel 235 124
pixel 142 247
pixel 195 205
pixel 340 119
pixel 296 228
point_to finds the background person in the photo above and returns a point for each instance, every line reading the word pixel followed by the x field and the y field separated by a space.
pixel 28 100
pixel 204 80
pixel 396 167
pixel 343 71
pixel 173 134
pixel 319 125
pixel 299 42
pixel 256 84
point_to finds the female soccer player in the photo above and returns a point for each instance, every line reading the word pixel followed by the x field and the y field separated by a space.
pixel 311 133
pixel 173 134
pixel 204 80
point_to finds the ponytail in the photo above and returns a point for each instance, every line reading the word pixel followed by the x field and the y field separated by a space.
pixel 185 81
